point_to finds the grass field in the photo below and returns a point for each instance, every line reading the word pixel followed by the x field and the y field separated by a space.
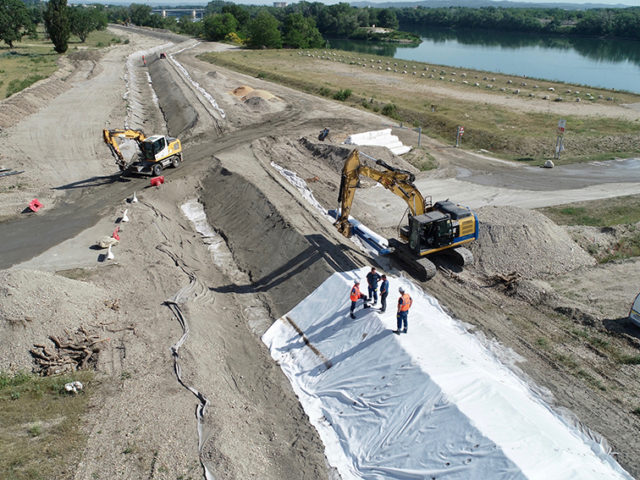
pixel 597 213
pixel 34 59
pixel 42 425
pixel 507 133
pixel 608 213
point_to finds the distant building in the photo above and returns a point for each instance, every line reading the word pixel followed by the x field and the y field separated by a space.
pixel 279 4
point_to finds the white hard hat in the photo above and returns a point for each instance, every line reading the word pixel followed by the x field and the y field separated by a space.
pixel 401 290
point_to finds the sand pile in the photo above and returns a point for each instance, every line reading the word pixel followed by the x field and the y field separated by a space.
pixel 524 241
pixel 259 93
pixel 241 91
pixel 34 305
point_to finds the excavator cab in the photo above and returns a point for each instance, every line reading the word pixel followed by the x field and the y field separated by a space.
pixel 152 146
pixel 430 230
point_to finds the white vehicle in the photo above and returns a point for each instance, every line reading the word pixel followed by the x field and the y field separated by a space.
pixel 634 314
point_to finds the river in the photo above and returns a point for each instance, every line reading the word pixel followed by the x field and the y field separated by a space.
pixel 605 63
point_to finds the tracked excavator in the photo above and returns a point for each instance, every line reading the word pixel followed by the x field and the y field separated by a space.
pixel 441 228
pixel 156 152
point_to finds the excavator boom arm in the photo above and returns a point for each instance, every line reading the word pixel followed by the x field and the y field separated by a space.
pixel 110 139
pixel 400 182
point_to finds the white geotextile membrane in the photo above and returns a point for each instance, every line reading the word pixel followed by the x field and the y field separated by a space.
pixel 430 404
pixel 196 85
pixel 380 138
pixel 302 187
pixel 194 211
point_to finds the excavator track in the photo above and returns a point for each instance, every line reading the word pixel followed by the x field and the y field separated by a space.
pixel 460 256
pixel 422 269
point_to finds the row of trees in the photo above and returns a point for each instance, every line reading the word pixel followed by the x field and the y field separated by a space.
pixel 18 19
pixel 305 24
pixel 301 25
pixel 614 22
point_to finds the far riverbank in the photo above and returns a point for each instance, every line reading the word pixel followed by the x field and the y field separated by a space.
pixel 594 62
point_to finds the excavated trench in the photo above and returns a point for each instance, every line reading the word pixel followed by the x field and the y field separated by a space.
pixel 179 114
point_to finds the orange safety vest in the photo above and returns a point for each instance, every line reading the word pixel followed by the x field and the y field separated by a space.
pixel 355 293
pixel 405 302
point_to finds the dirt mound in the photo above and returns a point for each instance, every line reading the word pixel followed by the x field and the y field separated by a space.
pixel 86 54
pixel 335 155
pixel 257 104
pixel 259 93
pixel 242 91
pixel 281 262
pixel 34 305
pixel 526 242
pixel 332 155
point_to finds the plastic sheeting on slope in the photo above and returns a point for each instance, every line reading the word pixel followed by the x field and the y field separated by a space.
pixel 380 138
pixel 433 403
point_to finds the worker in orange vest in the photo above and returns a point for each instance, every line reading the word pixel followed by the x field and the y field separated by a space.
pixel 355 296
pixel 404 303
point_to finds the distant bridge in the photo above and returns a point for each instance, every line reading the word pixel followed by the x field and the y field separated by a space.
pixel 194 13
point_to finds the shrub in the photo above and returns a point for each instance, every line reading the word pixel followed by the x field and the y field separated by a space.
pixel 233 38
pixel 35 430
pixel 390 110
pixel 342 95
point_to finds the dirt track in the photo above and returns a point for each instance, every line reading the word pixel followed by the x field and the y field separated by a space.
pixel 277 250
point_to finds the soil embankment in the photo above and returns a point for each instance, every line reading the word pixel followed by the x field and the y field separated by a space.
pixel 280 261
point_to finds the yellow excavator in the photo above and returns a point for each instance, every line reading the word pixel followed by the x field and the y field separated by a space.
pixel 440 228
pixel 156 152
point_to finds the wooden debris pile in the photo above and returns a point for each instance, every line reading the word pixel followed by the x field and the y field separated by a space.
pixel 78 351
pixel 509 281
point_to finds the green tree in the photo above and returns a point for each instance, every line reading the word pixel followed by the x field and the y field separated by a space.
pixel 139 14
pixel 100 16
pixel 388 19
pixel 263 31
pixel 215 6
pixel 56 22
pixel 83 21
pixel 15 21
pixel 301 32
pixel 238 11
pixel 186 26
pixel 218 26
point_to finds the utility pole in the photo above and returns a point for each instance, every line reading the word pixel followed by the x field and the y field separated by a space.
pixel 562 123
